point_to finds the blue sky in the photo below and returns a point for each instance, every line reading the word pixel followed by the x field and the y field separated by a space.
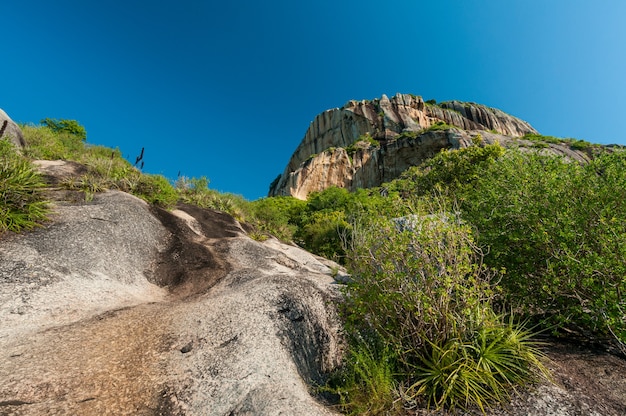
pixel 227 89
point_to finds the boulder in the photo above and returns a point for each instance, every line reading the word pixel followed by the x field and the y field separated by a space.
pixel 11 131
pixel 116 307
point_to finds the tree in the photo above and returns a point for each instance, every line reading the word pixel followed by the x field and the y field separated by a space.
pixel 69 126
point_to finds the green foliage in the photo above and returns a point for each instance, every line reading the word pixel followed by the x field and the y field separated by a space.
pixel 559 230
pixel 480 370
pixel 362 140
pixel 408 135
pixel 156 189
pixel 277 216
pixel 195 191
pixel 71 127
pixel 106 168
pixel 450 169
pixel 22 203
pixel 366 384
pixel 541 138
pixel 581 145
pixel 541 142
pixel 322 233
pixel 369 139
pixel 333 198
pixel 421 295
pixel 325 221
pixel 439 125
pixel 45 143
pixel 411 287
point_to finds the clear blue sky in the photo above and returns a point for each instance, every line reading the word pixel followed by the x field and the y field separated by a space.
pixel 227 89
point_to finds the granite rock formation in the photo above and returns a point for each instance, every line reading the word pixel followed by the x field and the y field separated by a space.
pixel 117 307
pixel 10 130
pixel 337 151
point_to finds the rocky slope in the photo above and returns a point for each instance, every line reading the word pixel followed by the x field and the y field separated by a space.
pixel 337 148
pixel 116 307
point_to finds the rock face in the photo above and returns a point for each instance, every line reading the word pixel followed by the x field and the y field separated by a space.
pixel 11 131
pixel 116 307
pixel 321 161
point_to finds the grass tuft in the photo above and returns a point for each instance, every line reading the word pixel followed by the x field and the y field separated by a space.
pixel 22 203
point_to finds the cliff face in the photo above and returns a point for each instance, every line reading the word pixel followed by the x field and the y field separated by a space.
pixel 321 160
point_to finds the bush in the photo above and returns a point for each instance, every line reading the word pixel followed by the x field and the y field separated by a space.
pixel 421 294
pixel 45 143
pixel 541 138
pixel 156 189
pixel 322 231
pixel 449 170
pixel 277 216
pixel 417 277
pixel 366 384
pixel 580 145
pixel 559 229
pixel 439 125
pixel 71 127
pixel 22 204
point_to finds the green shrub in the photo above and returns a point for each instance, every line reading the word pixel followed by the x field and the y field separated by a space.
pixel 322 232
pixel 581 145
pixel 365 138
pixel 277 216
pixel 416 279
pixel 559 230
pixel 439 125
pixel 541 138
pixel 156 189
pixel 366 383
pixel 408 135
pixel 480 370
pixel 45 143
pixel 421 294
pixel 451 170
pixel 22 204
pixel 71 127
pixel 196 191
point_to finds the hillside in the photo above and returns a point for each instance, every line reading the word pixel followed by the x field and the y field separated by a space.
pixel 129 296
pixel 117 307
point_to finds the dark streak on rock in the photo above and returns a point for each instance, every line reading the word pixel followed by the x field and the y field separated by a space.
pixel 14 403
